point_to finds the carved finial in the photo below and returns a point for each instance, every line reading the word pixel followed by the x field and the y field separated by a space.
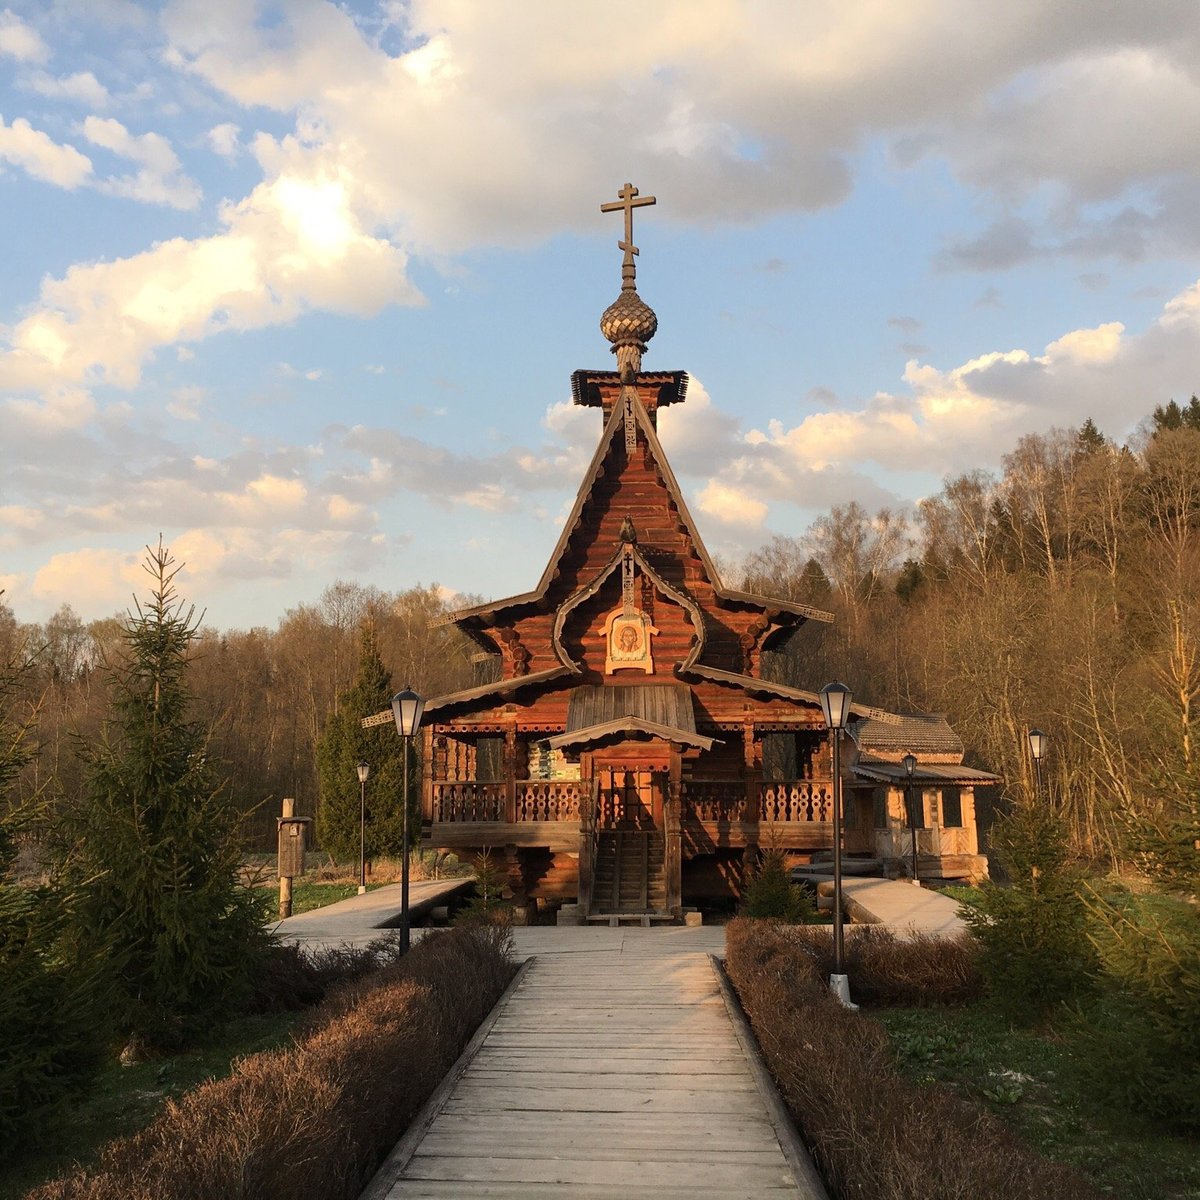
pixel 628 534
pixel 629 322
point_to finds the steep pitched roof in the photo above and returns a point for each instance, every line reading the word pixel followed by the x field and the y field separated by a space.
pixel 915 733
pixel 612 426
pixel 765 687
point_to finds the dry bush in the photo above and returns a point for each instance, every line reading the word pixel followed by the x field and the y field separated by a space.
pixel 313 1122
pixel 915 969
pixel 292 977
pixel 873 1134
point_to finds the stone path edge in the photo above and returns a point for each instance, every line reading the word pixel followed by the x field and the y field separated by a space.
pixel 398 1158
pixel 808 1179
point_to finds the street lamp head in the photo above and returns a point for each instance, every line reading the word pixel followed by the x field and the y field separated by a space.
pixel 407 708
pixel 363 769
pixel 835 704
pixel 1038 741
pixel 910 764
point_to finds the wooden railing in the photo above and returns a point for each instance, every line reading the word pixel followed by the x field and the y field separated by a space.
pixel 477 801
pixel 726 800
pixel 713 799
pixel 549 799
pixel 796 800
pixel 469 801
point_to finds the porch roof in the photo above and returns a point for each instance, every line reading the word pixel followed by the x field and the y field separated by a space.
pixel 629 725
pixel 661 710
pixel 889 772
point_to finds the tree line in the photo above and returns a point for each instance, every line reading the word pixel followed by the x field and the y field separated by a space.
pixel 264 696
pixel 1062 591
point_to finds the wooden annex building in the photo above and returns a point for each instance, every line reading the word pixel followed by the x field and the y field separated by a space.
pixel 618 757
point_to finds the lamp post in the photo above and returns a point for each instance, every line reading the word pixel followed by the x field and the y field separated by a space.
pixel 363 769
pixel 407 708
pixel 835 706
pixel 910 766
pixel 1038 741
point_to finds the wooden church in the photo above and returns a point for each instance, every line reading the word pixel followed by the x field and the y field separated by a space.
pixel 617 760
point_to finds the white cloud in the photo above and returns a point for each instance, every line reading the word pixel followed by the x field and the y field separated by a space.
pixel 19 40
pixel 42 157
pixel 160 179
pixel 223 139
pixel 82 86
pixel 291 245
pixel 731 505
pixel 185 403
pixel 96 580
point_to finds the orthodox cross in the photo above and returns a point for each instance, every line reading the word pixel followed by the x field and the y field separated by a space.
pixel 629 201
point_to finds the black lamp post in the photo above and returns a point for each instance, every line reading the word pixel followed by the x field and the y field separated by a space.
pixel 407 708
pixel 835 706
pixel 1038 742
pixel 910 765
pixel 363 769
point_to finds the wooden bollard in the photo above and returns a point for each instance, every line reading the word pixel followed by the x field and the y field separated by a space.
pixel 285 881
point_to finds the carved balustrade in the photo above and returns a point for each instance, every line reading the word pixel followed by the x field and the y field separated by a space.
pixel 793 800
pixel 549 799
pixel 709 800
pixel 468 800
pixel 476 801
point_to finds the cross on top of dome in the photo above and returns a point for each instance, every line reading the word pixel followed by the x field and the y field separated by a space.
pixel 629 322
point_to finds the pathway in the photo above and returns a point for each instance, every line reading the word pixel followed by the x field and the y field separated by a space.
pixel 902 907
pixel 362 919
pixel 613 1069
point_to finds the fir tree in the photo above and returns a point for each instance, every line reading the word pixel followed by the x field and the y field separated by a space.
pixel 343 745
pixel 49 1012
pixel 155 855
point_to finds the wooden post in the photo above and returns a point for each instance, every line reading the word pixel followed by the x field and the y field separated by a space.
pixel 753 800
pixel 510 770
pixel 285 881
pixel 673 842
pixel 427 775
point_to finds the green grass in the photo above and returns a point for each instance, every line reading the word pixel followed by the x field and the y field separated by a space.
pixel 126 1099
pixel 307 896
pixel 1031 1080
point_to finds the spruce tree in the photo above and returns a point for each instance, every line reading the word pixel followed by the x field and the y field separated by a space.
pixel 344 744
pixel 50 1015
pixel 155 854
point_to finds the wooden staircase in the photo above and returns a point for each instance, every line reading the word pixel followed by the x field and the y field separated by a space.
pixel 631 877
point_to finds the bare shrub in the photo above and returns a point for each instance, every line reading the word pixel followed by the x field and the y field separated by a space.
pixel 872 1133
pixel 313 1122
pixel 292 977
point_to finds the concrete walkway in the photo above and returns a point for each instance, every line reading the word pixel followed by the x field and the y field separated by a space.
pixel 613 1069
pixel 362 919
pixel 902 906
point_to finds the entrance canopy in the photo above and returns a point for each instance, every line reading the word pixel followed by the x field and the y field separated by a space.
pixel 657 710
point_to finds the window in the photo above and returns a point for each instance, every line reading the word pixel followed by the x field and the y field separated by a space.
pixel 952 808
pixel 914 808
pixel 881 815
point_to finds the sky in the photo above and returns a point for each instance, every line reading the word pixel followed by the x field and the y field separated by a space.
pixel 301 285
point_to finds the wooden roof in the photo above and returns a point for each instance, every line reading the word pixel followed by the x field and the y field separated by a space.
pixel 664 703
pixel 490 611
pixel 908 733
pixel 624 727
pixel 889 772
pixel 765 687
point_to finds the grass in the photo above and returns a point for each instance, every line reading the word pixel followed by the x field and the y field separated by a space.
pixel 306 896
pixel 1030 1079
pixel 126 1099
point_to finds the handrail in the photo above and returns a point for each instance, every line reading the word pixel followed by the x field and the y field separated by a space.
pixel 479 800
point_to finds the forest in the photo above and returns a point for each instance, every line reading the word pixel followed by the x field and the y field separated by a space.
pixel 1062 592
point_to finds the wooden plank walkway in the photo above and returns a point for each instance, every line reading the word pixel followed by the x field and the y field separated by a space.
pixel 605 1075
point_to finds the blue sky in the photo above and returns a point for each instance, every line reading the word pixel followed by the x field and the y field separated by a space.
pixel 302 285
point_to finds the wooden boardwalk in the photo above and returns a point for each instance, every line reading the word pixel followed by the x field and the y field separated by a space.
pixel 604 1075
